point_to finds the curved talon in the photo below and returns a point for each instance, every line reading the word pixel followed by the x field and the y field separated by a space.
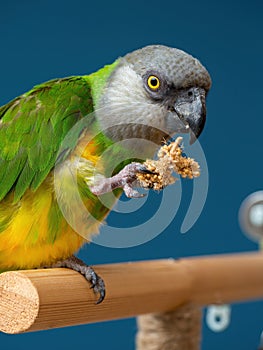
pixel 135 168
pixel 100 289
pixel 145 170
pixel 98 286
pixel 101 298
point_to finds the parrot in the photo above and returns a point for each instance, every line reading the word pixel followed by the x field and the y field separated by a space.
pixel 151 93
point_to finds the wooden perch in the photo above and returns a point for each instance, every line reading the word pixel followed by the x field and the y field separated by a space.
pixel 43 299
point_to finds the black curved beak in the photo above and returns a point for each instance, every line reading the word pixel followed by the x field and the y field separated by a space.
pixel 196 120
pixel 192 112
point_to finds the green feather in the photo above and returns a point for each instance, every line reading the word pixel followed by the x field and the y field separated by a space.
pixel 10 172
pixel 54 222
pixel 26 132
pixel 34 125
pixel 24 181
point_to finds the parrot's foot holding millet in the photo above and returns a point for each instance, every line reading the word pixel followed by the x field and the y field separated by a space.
pixel 87 271
pixel 125 179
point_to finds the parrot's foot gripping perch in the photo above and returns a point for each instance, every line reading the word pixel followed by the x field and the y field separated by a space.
pixel 125 179
pixel 87 271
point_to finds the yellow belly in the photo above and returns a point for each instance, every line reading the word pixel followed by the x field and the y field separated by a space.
pixel 37 255
pixel 30 238
pixel 27 240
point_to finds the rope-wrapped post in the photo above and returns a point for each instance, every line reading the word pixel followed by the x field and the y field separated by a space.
pixel 174 330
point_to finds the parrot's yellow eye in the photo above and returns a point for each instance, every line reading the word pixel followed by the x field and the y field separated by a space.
pixel 153 82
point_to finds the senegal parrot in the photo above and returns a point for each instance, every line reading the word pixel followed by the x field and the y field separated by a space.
pixel 149 94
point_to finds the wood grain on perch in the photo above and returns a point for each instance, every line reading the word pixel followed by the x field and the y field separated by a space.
pixel 49 298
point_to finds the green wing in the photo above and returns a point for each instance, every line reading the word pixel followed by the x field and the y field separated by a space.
pixel 32 128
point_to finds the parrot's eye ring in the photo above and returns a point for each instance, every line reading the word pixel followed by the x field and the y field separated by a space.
pixel 153 82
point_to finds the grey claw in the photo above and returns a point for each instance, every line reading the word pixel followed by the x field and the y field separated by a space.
pixel 101 298
pixel 137 194
pixel 131 193
pixel 97 284
pixel 87 271
pixel 100 289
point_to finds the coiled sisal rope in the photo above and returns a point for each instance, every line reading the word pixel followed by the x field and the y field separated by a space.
pixel 175 330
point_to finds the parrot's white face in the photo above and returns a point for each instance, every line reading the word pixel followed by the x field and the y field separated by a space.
pixel 153 94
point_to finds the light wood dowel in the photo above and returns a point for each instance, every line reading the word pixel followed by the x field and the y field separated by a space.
pixel 43 299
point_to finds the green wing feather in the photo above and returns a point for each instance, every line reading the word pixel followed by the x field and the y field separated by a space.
pixel 32 128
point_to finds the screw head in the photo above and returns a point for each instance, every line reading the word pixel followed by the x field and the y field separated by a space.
pixel 251 216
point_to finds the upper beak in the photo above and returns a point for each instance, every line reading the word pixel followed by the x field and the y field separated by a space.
pixel 193 115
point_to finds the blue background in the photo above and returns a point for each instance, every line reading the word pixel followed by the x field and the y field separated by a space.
pixel 49 39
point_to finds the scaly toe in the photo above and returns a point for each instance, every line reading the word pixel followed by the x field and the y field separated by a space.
pixel 99 288
pixel 131 193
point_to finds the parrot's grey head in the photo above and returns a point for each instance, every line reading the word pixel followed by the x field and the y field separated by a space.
pixel 154 93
